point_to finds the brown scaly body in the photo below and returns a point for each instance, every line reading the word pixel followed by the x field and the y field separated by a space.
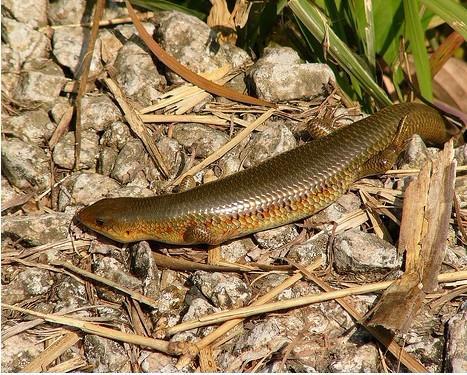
pixel 283 189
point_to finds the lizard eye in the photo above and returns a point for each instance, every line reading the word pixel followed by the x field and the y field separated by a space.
pixel 99 222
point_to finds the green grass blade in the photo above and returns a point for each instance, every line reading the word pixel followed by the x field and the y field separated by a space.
pixel 167 5
pixel 416 37
pixel 362 13
pixel 318 26
pixel 453 13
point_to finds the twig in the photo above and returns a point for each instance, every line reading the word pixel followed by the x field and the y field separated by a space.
pixel 138 126
pixel 172 348
pixel 225 148
pixel 84 76
pixel 245 312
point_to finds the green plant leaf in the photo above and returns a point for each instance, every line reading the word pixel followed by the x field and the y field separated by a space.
pixel 453 13
pixel 168 5
pixel 315 21
pixel 416 37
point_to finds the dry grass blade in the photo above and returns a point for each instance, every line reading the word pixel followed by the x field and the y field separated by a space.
pixel 62 127
pixel 200 119
pixel 138 126
pixel 227 326
pixel 245 312
pixel 445 51
pixel 45 358
pixel 187 74
pixel 133 294
pixel 225 148
pixel 85 74
pixel 68 366
pixel 94 329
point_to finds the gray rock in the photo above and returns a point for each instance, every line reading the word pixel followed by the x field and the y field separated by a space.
pixel 128 30
pixel 107 158
pixel 25 165
pixel 415 155
pixel 157 362
pixel 137 74
pixel 276 237
pixel 456 349
pixel 345 204
pixel 236 250
pixel 35 230
pixel 279 76
pixel 113 270
pixel 131 191
pixel 31 12
pixel 274 140
pixel 308 251
pixel 64 150
pixel 172 153
pixel 130 160
pixel 144 266
pixel 69 45
pixel 31 127
pixel 65 12
pixel 98 112
pixel 193 44
pixel 263 333
pixel 58 108
pixel 356 359
pixel 28 283
pixel 8 192
pixel 23 39
pixel 116 135
pixel 69 294
pixel 356 251
pixel 19 350
pixel 41 80
pixel 204 139
pixel 110 46
pixel 85 189
pixel 10 70
pixel 223 290
pixel 105 355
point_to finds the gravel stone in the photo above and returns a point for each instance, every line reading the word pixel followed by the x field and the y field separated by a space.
pixel 235 251
pixel 128 30
pixel 308 251
pixel 64 150
pixel 457 343
pixel 69 294
pixel 131 191
pixel 85 189
pixel 35 230
pixel 23 39
pixel 130 160
pixel 116 135
pixel 112 269
pixel 10 70
pixel 25 165
pixel 204 139
pixel 66 12
pixel 107 158
pixel 98 112
pixel 58 109
pixel 415 155
pixel 137 74
pixel 279 76
pixel 276 237
pixel 31 12
pixel 8 192
pixel 41 80
pixel 356 359
pixel 274 140
pixel 223 290
pixel 19 350
pixel 31 127
pixel 110 46
pixel 105 355
pixel 144 266
pixel 68 49
pixel 155 362
pixel 356 251
pixel 28 283
pixel 193 44
pixel 345 204
pixel 172 153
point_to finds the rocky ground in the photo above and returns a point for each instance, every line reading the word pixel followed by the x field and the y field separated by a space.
pixel 42 49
